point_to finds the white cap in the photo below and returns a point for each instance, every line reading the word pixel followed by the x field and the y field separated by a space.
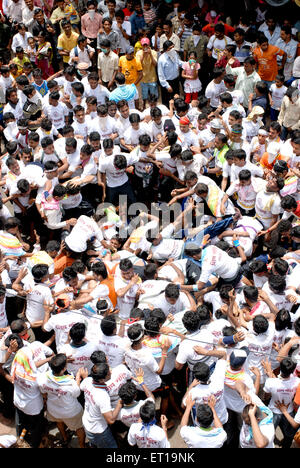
pixel 213 13
pixel 215 123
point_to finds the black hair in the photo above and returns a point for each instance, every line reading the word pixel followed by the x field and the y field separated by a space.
pixel 283 320
pixel 260 324
pixel 287 367
pixel 108 325
pixel 39 272
pixel 58 363
pixel 277 283
pixel 98 357
pixel 172 291
pixel 127 392
pixel 99 371
pixel 77 332
pixel 191 321
pixel 201 371
pixel 251 293
pixel 147 411
pixel 205 415
pixel 152 326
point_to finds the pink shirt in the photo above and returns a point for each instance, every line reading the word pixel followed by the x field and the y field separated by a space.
pixel 90 28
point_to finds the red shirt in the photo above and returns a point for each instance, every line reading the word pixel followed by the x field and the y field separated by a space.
pixel 211 29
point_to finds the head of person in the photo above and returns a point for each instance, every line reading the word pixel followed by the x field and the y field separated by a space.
pixel 127 393
pixel 135 333
pixel 77 333
pixel 108 325
pixel 262 42
pixel 219 31
pixel 40 272
pixel 245 414
pixel 126 268
pixel 191 321
pixel 172 293
pixel 249 65
pixel 244 177
pixel 100 372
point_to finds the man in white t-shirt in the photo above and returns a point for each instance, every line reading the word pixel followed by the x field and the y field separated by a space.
pixel 146 434
pixel 258 429
pixel 126 286
pixel 82 232
pixel 62 391
pixel 206 385
pixel 172 300
pixel 282 389
pixel 267 203
pixel 110 343
pixel 208 431
pixel 98 413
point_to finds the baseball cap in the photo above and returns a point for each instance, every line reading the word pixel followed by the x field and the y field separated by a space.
pixel 238 357
pixel 169 125
pixel 145 40
pixel 130 50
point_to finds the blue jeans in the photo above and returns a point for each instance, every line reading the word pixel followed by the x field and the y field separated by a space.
pixel 103 440
pixel 213 230
pixel 148 89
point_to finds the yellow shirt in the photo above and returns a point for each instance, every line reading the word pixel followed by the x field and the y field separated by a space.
pixel 149 70
pixel 20 63
pixel 67 43
pixel 130 69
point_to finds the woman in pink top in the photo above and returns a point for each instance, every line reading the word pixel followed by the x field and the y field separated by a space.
pixel 192 84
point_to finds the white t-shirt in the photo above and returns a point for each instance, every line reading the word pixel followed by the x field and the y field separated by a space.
pixel 267 205
pixel 215 387
pixel 282 390
pixel 80 356
pixel 181 304
pixel 142 358
pixel 39 294
pixel 277 95
pixel 154 437
pixel 119 376
pixel 3 316
pixel 114 348
pixel 116 177
pixel 213 92
pixel 259 346
pixel 218 45
pixel 186 351
pixel 131 414
pixel 97 403
pixel 27 395
pixel 215 260
pixel 61 396
pixel 125 303
pixel 56 114
pixel 151 288
pixel 196 437
pixel 84 230
pixel 61 324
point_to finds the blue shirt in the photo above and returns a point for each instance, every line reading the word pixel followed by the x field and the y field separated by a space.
pixel 168 69
pixel 137 22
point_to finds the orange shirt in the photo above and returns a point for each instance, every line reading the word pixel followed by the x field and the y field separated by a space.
pixel 297 396
pixel 61 262
pixel 267 62
pixel 109 282
pixel 130 69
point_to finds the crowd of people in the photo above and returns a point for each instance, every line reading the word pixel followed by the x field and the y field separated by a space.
pixel 149 223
